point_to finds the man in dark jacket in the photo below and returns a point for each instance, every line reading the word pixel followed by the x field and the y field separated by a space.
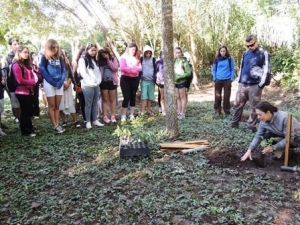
pixel 254 75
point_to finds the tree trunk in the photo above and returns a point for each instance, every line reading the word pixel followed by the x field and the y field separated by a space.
pixel 168 52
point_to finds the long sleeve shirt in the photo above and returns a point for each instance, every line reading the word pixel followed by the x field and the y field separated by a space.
pixel 223 69
pixel 255 67
pixel 182 70
pixel 277 126
pixel 25 79
pixel 91 77
pixel 130 66
pixel 114 66
pixel 53 71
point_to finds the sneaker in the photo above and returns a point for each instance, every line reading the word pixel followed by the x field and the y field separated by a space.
pixel 181 116
pixel 3 126
pixel 32 135
pixel 131 117
pixel 16 120
pixel 113 119
pixel 2 133
pixel 64 124
pixel 88 125
pixel 77 124
pixel 36 117
pixel 59 129
pixel 105 119
pixel 97 123
pixel 159 110
pixel 123 118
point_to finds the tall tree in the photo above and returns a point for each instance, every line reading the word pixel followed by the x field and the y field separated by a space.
pixel 168 51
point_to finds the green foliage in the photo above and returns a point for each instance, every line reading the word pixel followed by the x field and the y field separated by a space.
pixel 76 177
pixel 284 61
pixel 266 142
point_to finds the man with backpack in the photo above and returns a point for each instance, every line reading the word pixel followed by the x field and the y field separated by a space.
pixel 14 44
pixel 254 75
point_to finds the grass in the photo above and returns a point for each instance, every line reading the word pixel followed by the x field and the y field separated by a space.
pixel 76 177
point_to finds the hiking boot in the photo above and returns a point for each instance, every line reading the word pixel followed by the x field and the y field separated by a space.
pixel 113 119
pixel 106 120
pixel 97 123
pixel 2 133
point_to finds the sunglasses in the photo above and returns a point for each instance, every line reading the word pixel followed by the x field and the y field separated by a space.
pixel 250 46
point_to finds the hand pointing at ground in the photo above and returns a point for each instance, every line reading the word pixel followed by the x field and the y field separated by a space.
pixel 247 155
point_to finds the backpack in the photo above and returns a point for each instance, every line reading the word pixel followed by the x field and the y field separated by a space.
pixel 11 81
pixel 189 79
pixel 261 63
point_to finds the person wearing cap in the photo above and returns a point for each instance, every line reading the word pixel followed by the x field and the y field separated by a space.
pixel 130 67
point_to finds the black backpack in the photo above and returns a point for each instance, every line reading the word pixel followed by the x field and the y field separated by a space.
pixel 11 81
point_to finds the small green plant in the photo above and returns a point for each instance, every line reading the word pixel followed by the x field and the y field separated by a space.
pixel 267 142
pixel 122 132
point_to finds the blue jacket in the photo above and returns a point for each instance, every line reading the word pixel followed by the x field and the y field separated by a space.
pixel 223 69
pixel 255 67
pixel 53 74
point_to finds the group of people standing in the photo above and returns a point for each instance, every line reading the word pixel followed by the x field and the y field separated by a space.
pixel 254 75
pixel 95 72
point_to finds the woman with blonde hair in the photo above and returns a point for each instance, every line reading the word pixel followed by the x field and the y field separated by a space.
pixel 22 70
pixel 52 68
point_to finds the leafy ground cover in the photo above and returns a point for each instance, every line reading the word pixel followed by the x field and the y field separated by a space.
pixel 77 177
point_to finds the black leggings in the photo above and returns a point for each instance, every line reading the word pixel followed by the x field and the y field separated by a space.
pixel 129 86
